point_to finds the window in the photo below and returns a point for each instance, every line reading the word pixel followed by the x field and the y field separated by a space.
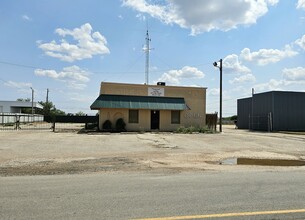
pixel 175 115
pixel 133 116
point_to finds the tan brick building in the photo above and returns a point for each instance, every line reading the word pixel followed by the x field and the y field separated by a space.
pixel 151 107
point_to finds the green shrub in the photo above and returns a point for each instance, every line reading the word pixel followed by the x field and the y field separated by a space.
pixel 180 129
pixel 107 125
pixel 120 125
pixel 192 129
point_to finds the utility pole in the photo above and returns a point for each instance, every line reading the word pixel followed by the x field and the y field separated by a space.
pixel 220 97
pixel 220 93
pixel 147 49
pixel 32 100
pixel 47 99
pixel 46 110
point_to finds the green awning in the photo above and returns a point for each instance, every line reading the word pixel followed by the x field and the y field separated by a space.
pixel 139 102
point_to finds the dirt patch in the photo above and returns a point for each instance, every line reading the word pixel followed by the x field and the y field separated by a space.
pixel 109 164
pixel 73 167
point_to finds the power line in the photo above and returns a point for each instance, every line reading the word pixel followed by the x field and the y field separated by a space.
pixel 20 65
pixel 108 72
pixel 227 100
pixel 96 72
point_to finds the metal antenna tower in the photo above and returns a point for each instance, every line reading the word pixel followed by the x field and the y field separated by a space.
pixel 147 49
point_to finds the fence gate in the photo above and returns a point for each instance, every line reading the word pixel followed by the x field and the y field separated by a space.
pixel 211 121
pixel 73 123
pixel 260 122
pixel 12 121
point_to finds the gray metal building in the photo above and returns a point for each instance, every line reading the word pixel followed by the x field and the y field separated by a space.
pixel 272 111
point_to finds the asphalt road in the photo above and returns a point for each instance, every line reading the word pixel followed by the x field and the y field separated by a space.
pixel 151 195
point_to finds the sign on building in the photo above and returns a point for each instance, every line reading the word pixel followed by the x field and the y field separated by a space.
pixel 153 91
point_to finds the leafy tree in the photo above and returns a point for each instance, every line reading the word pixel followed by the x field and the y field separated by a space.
pixel 80 113
pixel 234 117
pixel 57 112
pixel 49 109
pixel 25 110
pixel 23 100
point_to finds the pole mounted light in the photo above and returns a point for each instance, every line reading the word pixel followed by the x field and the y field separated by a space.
pixel 220 93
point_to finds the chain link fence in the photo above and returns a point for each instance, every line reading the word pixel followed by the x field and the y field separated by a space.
pixel 15 121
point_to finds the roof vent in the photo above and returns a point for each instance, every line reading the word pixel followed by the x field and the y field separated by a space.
pixel 161 83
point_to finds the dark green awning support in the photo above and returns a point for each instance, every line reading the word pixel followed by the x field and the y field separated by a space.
pixel 139 102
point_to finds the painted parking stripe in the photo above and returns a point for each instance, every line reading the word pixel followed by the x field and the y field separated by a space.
pixel 237 214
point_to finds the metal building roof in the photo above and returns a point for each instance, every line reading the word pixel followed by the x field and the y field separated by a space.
pixel 139 102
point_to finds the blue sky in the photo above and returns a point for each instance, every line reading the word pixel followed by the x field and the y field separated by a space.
pixel 70 47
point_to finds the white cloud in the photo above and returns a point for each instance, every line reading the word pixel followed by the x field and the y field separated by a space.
pixel 187 72
pixel 294 74
pixel 81 97
pixel 231 64
pixel 301 4
pixel 88 44
pixel 213 92
pixel 266 56
pixel 26 18
pixel 301 42
pixel 141 17
pixel 18 85
pixel 203 16
pixel 272 2
pixel 293 79
pixel 75 85
pixel 73 75
pixel 243 79
pixel 269 86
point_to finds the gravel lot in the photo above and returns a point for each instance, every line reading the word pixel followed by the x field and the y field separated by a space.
pixel 48 153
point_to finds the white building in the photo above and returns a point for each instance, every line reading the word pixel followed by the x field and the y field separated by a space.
pixel 16 106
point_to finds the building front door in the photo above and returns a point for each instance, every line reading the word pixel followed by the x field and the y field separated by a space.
pixel 154 119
